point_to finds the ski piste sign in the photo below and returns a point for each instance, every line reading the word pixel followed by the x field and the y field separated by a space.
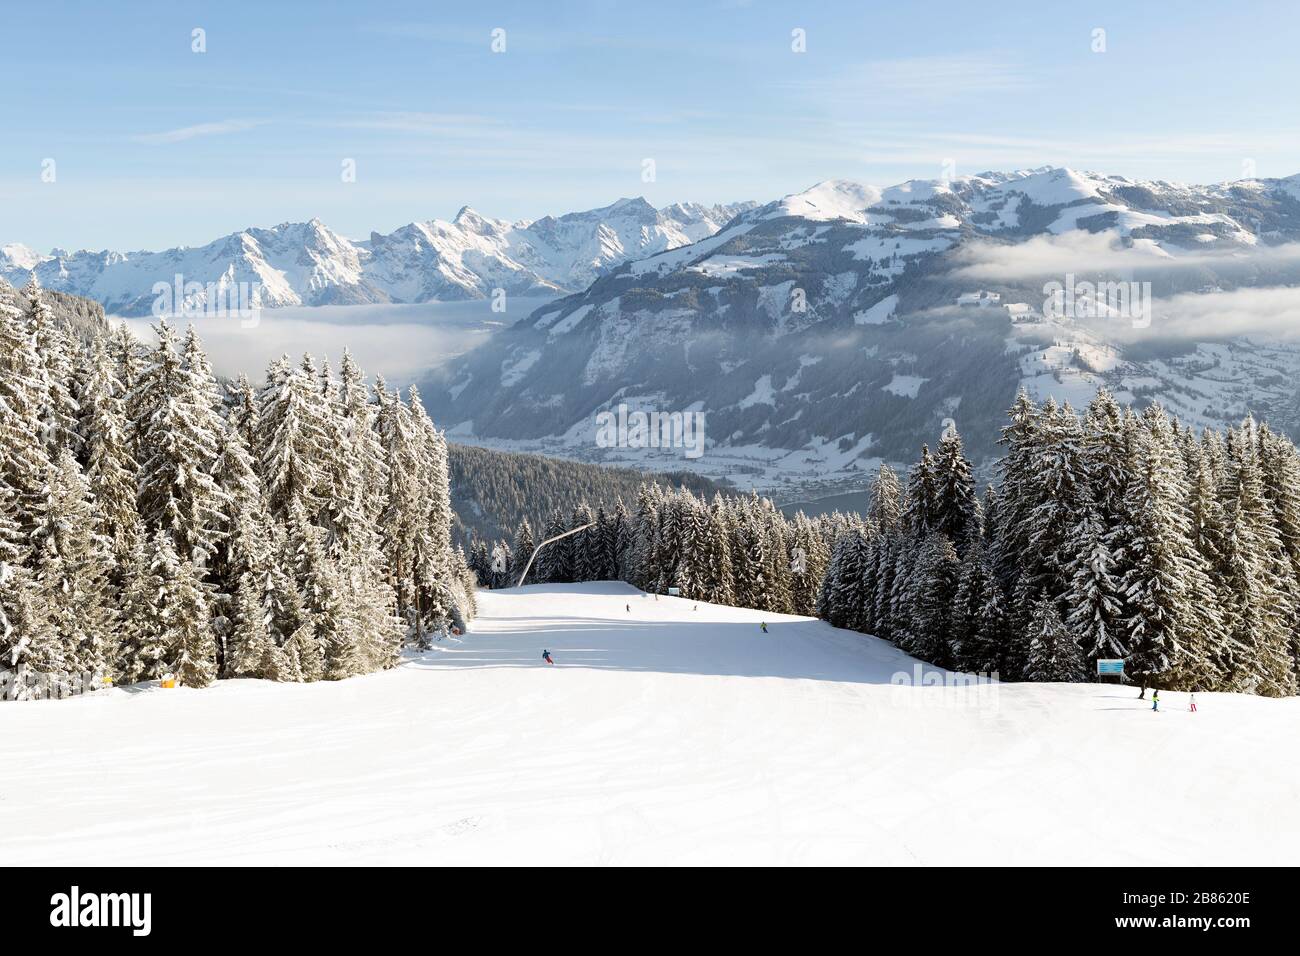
pixel 1113 667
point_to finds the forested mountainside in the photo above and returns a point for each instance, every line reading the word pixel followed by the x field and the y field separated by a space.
pixel 1108 534
pixel 492 492
pixel 80 317
pixel 153 526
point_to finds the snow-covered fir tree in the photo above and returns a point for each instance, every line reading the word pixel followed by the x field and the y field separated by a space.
pixel 179 435
pixel 554 565
pixel 110 467
pixel 73 570
pixel 583 547
pixel 957 507
pixel 979 617
pixel 24 456
pixel 148 526
pixel 56 362
pixel 1054 654
pixel 931 601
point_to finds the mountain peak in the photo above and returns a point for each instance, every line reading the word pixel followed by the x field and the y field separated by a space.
pixel 635 207
pixel 636 203
pixel 473 221
pixel 21 256
pixel 830 199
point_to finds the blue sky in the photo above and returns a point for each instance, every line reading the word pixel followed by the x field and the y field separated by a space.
pixel 155 145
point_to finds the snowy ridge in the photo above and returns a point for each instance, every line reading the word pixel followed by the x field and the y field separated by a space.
pixel 310 264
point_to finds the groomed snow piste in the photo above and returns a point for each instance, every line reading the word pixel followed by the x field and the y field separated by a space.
pixel 663 735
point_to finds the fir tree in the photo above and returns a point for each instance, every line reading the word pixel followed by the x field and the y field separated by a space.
pixel 604 544
pixel 621 533
pixel 887 547
pixel 110 469
pixel 642 554
pixel 933 590
pixel 1018 472
pixel 253 652
pixel 712 572
pixel 808 560
pixel 523 548
pixel 554 563
pixel 582 550
pixel 73 569
pixel 1054 655
pixel 56 356
pixel 193 650
pixel 980 617
pixel 24 460
pixel 1161 557
pixel 847 597
pixel 956 505
pixel 1094 597
pixel 886 509
pixel 179 437
pixel 922 509
pixel 1054 492
pixel 291 437
pixel 142 651
pixel 1254 654
pixel 30 647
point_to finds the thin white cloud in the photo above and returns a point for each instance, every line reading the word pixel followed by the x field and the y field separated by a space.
pixel 1079 252
pixel 1102 252
pixel 945 77
pixel 416 122
pixel 1271 312
pixel 199 129
pixel 398 341
pixel 919 80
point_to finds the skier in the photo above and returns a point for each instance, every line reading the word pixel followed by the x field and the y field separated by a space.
pixel 1192 703
pixel 629 608
pixel 763 625
pixel 1155 699
pixel 546 656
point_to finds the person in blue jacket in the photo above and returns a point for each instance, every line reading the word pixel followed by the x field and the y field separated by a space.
pixel 546 656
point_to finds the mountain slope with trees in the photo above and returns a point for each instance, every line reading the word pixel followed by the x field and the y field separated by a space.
pixel 493 491
pixel 1107 534
pixel 153 522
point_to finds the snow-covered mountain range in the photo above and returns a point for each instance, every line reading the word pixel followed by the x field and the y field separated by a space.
pixel 307 263
pixel 823 331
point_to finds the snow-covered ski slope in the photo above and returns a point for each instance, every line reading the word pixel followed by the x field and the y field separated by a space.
pixel 663 735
